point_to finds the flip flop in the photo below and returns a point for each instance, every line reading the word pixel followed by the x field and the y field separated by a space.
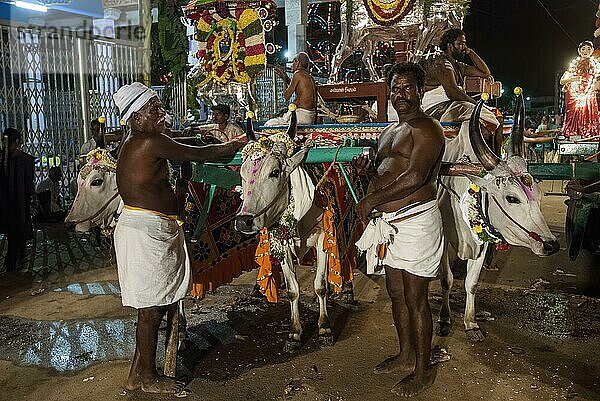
pixel 183 393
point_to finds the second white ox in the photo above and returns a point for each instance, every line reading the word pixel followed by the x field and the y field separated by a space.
pixel 275 186
pixel 504 205
pixel 97 201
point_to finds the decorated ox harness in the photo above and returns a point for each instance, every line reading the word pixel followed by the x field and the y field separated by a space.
pixel 273 242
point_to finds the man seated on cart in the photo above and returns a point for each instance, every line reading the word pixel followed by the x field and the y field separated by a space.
pixel 444 97
pixel 303 86
pixel 228 129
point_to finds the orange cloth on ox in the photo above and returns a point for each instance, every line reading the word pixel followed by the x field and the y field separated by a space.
pixel 330 247
pixel 268 280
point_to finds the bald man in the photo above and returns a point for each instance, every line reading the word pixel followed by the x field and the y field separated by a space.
pixel 303 85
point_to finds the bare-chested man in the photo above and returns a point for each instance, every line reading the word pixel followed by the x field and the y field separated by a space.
pixel 153 266
pixel 303 85
pixel 407 239
pixel 444 97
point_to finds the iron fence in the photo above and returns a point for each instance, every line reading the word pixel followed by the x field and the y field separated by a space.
pixel 269 95
pixel 52 84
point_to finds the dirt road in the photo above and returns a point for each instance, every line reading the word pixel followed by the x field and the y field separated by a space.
pixel 68 338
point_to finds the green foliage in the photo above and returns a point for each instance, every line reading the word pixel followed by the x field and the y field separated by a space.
pixel 169 40
pixel 427 6
pixel 192 96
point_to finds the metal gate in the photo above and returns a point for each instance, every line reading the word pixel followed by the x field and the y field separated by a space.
pixel 52 84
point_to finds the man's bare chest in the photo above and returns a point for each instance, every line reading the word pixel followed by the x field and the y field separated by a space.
pixel 396 142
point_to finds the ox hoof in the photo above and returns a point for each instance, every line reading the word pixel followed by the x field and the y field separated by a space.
pixel 346 297
pixel 475 335
pixel 291 346
pixel 326 340
pixel 442 329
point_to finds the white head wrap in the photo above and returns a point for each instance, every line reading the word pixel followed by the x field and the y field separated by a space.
pixel 131 98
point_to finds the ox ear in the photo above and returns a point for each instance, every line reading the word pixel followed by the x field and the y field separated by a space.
pixel 294 161
pixel 480 182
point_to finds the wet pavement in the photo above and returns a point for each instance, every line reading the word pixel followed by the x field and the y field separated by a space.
pixel 65 346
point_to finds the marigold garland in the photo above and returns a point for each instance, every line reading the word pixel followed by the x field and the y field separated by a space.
pixel 257 149
pixel 246 57
pixel 479 227
pixel 388 12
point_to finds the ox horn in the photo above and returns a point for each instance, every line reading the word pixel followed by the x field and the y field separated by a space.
pixel 291 131
pixel 250 134
pixel 515 147
pixel 486 156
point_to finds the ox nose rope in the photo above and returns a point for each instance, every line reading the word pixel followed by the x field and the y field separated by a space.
pixel 531 234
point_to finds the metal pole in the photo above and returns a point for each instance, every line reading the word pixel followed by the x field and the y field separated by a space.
pixel 146 22
pixel 82 52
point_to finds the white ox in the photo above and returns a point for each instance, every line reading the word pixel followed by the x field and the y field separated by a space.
pixel 358 31
pixel 97 201
pixel 267 178
pixel 508 201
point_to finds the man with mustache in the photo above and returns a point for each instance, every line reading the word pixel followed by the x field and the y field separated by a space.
pixel 152 260
pixel 444 97
pixel 407 239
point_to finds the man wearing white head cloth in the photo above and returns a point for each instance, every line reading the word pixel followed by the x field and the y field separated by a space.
pixel 152 260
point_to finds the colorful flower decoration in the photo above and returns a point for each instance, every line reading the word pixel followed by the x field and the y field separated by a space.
pixel 258 149
pixel 98 159
pixel 231 45
pixel 388 12
pixel 480 229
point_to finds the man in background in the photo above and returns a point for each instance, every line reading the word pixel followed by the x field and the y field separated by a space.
pixel 303 86
pixel 220 115
pixel 444 97
pixel 16 191
pixel 48 196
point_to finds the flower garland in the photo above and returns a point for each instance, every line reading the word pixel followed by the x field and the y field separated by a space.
pixel 258 149
pixel 286 230
pixel 246 56
pixel 582 96
pixel 98 159
pixel 388 12
pixel 272 244
pixel 480 229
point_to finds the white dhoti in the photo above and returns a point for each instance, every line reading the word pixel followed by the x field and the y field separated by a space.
pixel 456 111
pixel 152 259
pixel 305 117
pixel 413 238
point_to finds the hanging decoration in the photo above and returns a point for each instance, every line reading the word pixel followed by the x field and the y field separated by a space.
pixel 388 12
pixel 472 213
pixel 231 40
